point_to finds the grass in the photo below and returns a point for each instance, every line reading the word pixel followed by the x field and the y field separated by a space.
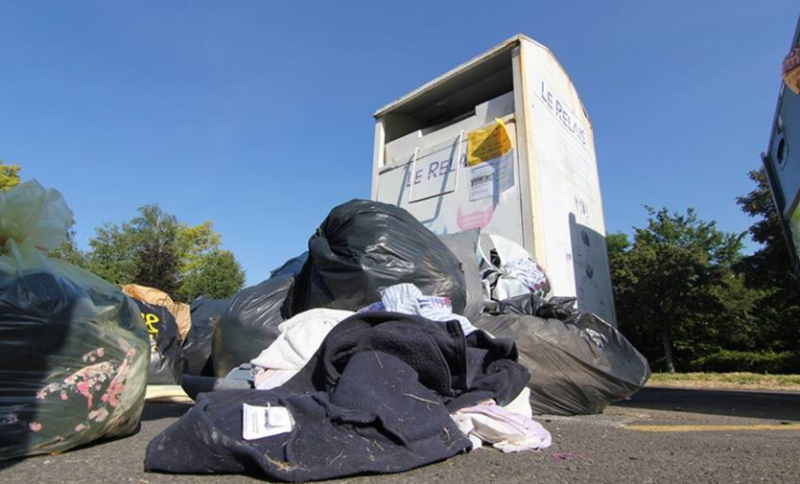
pixel 726 380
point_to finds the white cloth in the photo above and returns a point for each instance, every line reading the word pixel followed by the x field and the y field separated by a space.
pixel 299 339
pixel 522 404
pixel 507 431
pixel 408 299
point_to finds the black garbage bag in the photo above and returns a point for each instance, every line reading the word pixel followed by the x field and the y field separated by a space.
pixel 291 267
pixel 166 355
pixel 464 246
pixel 73 348
pixel 206 313
pixel 363 246
pixel 533 305
pixel 579 365
pixel 250 323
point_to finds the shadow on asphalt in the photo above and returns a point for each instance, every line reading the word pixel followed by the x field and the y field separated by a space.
pixel 151 412
pixel 5 464
pixel 747 404
pixel 157 411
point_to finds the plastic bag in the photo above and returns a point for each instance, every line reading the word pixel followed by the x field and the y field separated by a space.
pixel 533 305
pixel 291 267
pixel 179 311
pixel 166 355
pixel 578 366
pixel 206 314
pixel 464 246
pixel 74 351
pixel 364 246
pixel 508 270
pixel 250 324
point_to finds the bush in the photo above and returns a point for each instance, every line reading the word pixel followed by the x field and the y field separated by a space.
pixel 725 361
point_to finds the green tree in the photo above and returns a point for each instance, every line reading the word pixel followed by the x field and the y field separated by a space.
pixel 111 254
pixel 673 286
pixel 216 275
pixel 769 271
pixel 9 176
pixel 155 253
pixel 193 243
pixel 69 252
pixel 156 250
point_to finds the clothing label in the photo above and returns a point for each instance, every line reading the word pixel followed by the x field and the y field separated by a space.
pixel 487 144
pixel 260 422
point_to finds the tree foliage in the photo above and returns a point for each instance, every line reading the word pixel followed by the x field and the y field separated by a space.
pixel 69 252
pixel 155 252
pixel 9 176
pixel 689 300
pixel 672 286
pixel 216 275
pixel 155 249
pixel 769 271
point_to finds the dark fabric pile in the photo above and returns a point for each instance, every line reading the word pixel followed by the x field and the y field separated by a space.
pixel 375 398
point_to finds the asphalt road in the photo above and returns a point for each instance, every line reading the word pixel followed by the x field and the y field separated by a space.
pixel 661 435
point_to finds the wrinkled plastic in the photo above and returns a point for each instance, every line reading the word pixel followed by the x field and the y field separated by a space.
pixel 533 305
pixel 73 349
pixel 291 267
pixel 250 324
pixel 206 313
pixel 578 366
pixel 166 355
pixel 179 311
pixel 464 245
pixel 364 246
pixel 34 216
pixel 528 304
pixel 508 270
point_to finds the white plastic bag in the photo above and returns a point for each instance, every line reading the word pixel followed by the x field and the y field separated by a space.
pixel 513 273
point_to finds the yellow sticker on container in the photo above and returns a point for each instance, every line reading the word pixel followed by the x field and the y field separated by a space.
pixel 487 144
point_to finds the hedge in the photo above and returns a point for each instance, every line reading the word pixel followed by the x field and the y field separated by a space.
pixel 725 361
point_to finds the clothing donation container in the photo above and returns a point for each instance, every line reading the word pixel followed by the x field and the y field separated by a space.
pixel 502 143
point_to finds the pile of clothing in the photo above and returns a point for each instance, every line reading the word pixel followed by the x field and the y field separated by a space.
pixel 386 347
pixel 382 348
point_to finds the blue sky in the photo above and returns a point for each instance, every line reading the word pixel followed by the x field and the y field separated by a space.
pixel 257 114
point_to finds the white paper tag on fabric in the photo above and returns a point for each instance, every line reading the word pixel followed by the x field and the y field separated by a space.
pixel 260 422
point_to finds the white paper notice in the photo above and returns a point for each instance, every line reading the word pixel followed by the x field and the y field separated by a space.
pixel 260 422
pixel 495 175
pixel 504 171
pixel 481 181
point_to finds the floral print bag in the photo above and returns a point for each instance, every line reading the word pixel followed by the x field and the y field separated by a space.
pixel 73 349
